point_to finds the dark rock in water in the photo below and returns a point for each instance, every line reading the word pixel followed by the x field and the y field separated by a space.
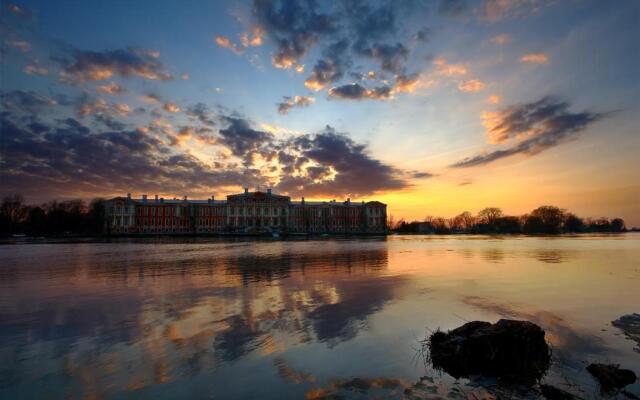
pixel 611 376
pixel 553 393
pixel 513 350
pixel 630 325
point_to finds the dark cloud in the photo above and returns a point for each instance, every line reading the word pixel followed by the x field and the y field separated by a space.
pixel 534 127
pixel 85 66
pixel 240 138
pixel 452 8
pixel 296 101
pixel 421 175
pixel 45 156
pixel 68 158
pixel 21 100
pixel 370 23
pixel 331 67
pixel 293 25
pixel 355 173
pixel 201 112
pixel 392 58
pixel 424 35
pixel 355 91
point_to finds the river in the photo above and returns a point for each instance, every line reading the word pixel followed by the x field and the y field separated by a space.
pixel 273 319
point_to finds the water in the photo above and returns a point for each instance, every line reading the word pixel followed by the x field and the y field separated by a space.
pixel 287 319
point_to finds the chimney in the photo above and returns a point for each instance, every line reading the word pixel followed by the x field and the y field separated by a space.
pixel 246 190
pixel 144 198
pixel 348 200
pixel 185 198
pixel 269 191
pixel 303 200
pixel 156 198
pixel 213 198
pixel 128 196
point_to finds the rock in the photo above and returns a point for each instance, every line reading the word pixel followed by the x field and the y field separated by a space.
pixel 508 349
pixel 553 393
pixel 611 376
pixel 630 325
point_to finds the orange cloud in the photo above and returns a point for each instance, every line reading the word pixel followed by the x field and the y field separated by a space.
pixel 112 88
pixel 409 84
pixel 473 85
pixel 442 68
pixel 171 107
pixel 494 99
pixel 253 40
pixel 226 43
pixel 535 58
pixel 32 69
pixel 21 45
pixel 150 99
pixel 501 39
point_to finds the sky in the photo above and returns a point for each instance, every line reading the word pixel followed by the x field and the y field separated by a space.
pixel 433 107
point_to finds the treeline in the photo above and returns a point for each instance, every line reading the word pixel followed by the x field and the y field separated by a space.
pixel 542 220
pixel 71 217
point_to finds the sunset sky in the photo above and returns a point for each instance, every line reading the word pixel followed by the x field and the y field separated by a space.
pixel 434 107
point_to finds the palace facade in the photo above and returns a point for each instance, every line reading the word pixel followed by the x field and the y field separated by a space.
pixel 248 212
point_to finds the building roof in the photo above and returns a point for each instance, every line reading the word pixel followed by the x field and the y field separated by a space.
pixel 254 195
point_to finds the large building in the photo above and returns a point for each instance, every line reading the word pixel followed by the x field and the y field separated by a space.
pixel 248 212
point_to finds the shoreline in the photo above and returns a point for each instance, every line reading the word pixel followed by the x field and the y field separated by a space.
pixel 282 236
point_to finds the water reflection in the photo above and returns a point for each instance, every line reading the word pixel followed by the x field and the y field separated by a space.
pixel 148 321
pixel 289 319
pixel 570 345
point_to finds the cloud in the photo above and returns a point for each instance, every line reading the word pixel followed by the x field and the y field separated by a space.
pixel 347 168
pixel 473 85
pixel 87 106
pixel 501 39
pixel 355 91
pixel 330 68
pixel 530 128
pixel 253 39
pixel 240 138
pixel 67 158
pixel 424 35
pixel 247 39
pixel 108 151
pixel 370 23
pixel 409 83
pixel 294 27
pixel 445 69
pixel 111 88
pixel 392 58
pixel 150 98
pixel 201 112
pixel 25 101
pixel 226 43
pixel 33 69
pixel 17 10
pixel 535 58
pixel 452 8
pixel 21 45
pixel 496 10
pixel 86 66
pixel 171 107
pixel 494 99
pixel 297 101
